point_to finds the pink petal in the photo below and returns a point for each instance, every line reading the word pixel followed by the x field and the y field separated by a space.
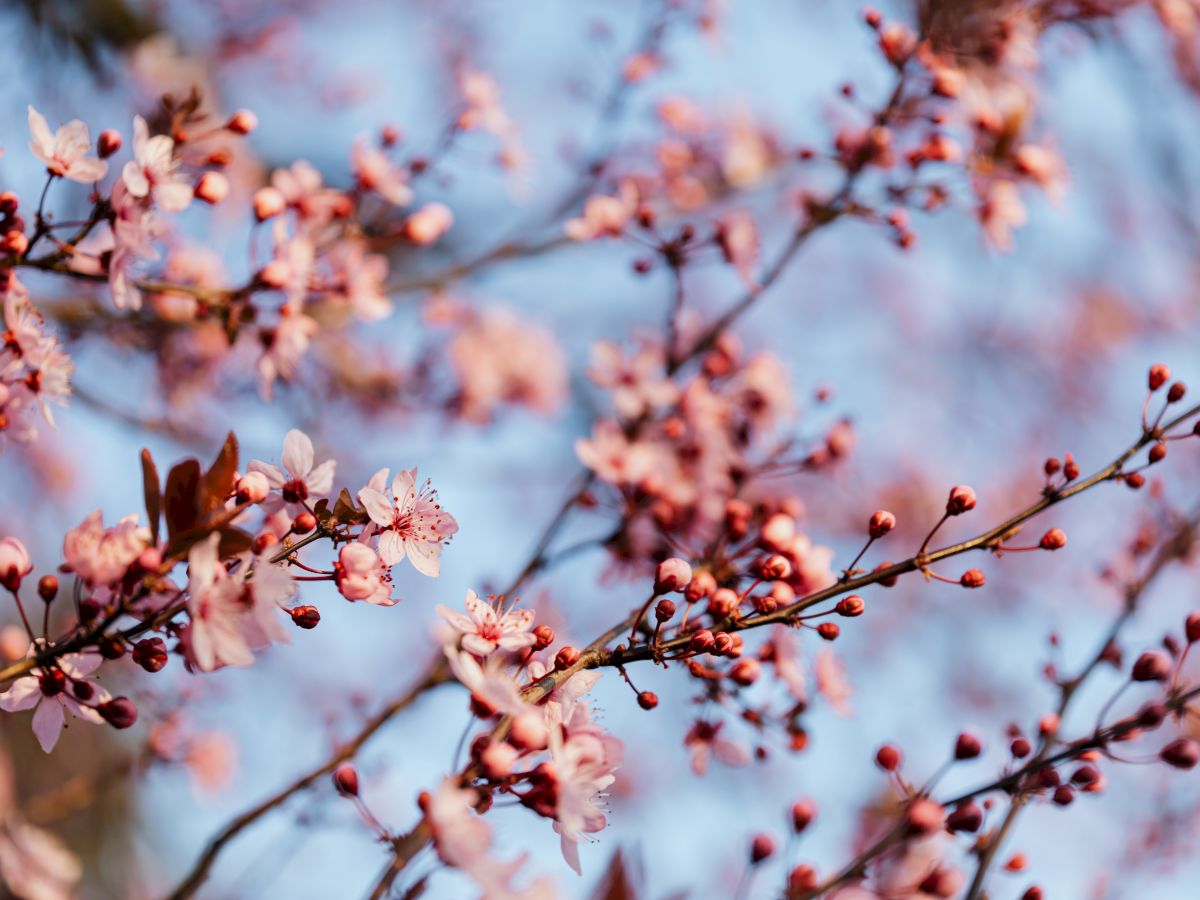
pixel 480 646
pixel 456 619
pixel 517 620
pixel 481 612
pixel 391 548
pixel 23 694
pixel 297 454
pixel 424 557
pixel 48 722
pixel 380 509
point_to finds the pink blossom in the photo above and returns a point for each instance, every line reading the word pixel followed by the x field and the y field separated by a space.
pixel 361 575
pixel 488 683
pixel 411 523
pixel 212 760
pixel 34 371
pixel 584 760
pixel 102 556
pixel 53 697
pixel 14 563
pixel 567 694
pixel 64 152
pixel 484 629
pixel 613 456
pixel 283 346
pixel 375 172
pixel 832 683
pixel 300 478
pixel 603 215
pixel 639 383
pixel 737 236
pixel 152 171
pixel 428 223
pixel 499 359
pixel 461 837
pixel 1000 213
pixel 35 864
pixel 134 231
pixel 358 277
pixel 704 739
pixel 302 189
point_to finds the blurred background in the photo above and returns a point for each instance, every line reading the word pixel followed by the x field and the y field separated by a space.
pixel 955 363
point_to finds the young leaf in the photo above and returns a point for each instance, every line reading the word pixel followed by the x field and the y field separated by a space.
pixel 218 481
pixel 183 484
pixel 152 491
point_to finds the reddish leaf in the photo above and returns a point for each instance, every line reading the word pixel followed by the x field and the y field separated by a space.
pixel 218 481
pixel 183 484
pixel 234 541
pixel 152 491
pixel 617 883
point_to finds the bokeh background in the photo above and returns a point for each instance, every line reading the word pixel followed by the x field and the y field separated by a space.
pixel 956 364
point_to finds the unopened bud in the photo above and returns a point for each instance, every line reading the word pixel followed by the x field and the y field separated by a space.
pixel 1159 375
pixel 304 523
pixel 268 202
pixel 305 617
pixel 761 847
pixel 972 578
pixel 923 816
pixel 967 746
pixel 47 588
pixel 672 575
pixel 118 712
pixel 881 523
pixel 829 631
pixel 647 700
pixel 253 487
pixel 212 188
pixel 664 610
pixel 242 122
pixel 150 654
pixel 544 636
pixel 850 606
pixel 1183 753
pixel 108 143
pixel 1054 539
pixel 566 657
pixel 345 779
pixel 961 500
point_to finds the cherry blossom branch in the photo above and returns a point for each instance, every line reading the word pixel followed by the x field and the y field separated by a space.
pixel 989 539
pixel 1174 548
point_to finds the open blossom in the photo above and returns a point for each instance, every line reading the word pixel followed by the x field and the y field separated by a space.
pixel 704 739
pixel 411 522
pixel 300 479
pixel 283 346
pixel 377 173
pixel 102 556
pixel 488 683
pixel 361 575
pixel 65 151
pixel 55 692
pixel 499 359
pixel 604 216
pixel 34 371
pixel 483 629
pixel 152 171
pixel 638 382
pixel 358 277
pixel 303 190
pixel 231 615
pixel 584 759
pixel 14 563
pixel 832 683
pixel 613 456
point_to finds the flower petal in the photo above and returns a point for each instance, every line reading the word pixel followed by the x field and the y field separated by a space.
pixel 297 454
pixel 379 508
pixel 48 722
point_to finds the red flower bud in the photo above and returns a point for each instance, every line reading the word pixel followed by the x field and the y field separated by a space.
pixel 345 779
pixel 761 847
pixel 544 635
pixel 972 578
pixel 108 143
pixel 701 586
pixel 745 671
pixel 803 813
pixel 702 641
pixel 118 712
pixel 888 758
pixel 1191 627
pixel 1135 480
pixel 1153 665
pixel 664 610
pixel 647 700
pixel 1020 748
pixel 802 878
pixel 1183 753
pixel 965 817
pixel 1054 539
pixel 566 657
pixel 673 575
pixel 242 122
pixel 829 631
pixel 881 523
pixel 924 816
pixel 967 746
pixel 1176 392
pixel 47 588
pixel 1159 375
pixel 150 654
pixel 305 616
pixel 850 606
pixel 722 643
pixel 775 568
pixel 1157 453
pixel 962 499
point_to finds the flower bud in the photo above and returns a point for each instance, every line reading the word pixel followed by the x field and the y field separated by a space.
pixel 1191 627
pixel 212 188
pixel 428 223
pixel 275 274
pixel 497 759
pixel 965 817
pixel 1034 893
pixel 304 523
pixel 1176 392
pixel 1054 539
pixel 544 635
pixel 673 575
pixel 702 641
pixel 881 523
pixel 528 731
pixel 701 586
pixel 778 531
pixel 829 631
pixel 1158 452
pixel 803 813
pixel 265 542
pixel 242 122
pixel 1159 375
pixel 14 242
pixel 972 578
pixel 268 202
pixel 722 643
pixel 1085 774
pixel 1135 480
pixel 761 847
pixel 923 816
pixel 888 758
pixel 1153 665
pixel 962 499
pixel 1020 748
pixel 345 779
pixel 1151 715
pixel 253 487
pixel 745 671
pixel 1183 753
pixel 647 700
pixel 775 568
pixel 566 657
pixel 723 602
pixel 108 143
pixel 47 588
pixel 802 878
pixel 150 654
pixel 967 746
pixel 118 712
pixel 850 606
pixel 14 563
pixel 111 646
pixel 305 617
pixel 664 610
